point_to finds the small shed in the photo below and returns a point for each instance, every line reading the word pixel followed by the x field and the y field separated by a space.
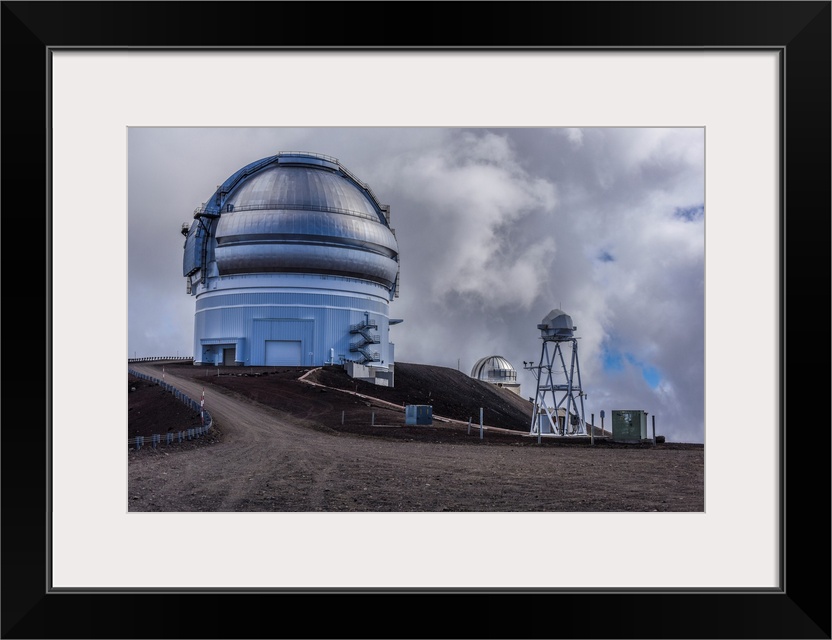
pixel 543 420
pixel 418 414
pixel 629 425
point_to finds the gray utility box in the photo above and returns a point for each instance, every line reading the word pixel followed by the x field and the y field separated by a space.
pixel 418 414
pixel 629 425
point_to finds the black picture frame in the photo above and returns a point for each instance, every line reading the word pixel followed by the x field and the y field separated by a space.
pixel 799 31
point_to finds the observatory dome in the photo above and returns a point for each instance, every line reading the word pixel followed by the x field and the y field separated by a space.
pixel 293 262
pixel 304 215
pixel 494 369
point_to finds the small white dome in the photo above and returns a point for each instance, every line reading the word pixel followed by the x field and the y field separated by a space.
pixel 494 369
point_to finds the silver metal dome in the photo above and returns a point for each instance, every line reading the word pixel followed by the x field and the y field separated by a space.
pixel 299 212
pixel 494 369
pixel 302 186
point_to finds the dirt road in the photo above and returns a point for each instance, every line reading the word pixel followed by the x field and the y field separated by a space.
pixel 268 460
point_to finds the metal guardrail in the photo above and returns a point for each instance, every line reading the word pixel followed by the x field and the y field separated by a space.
pixel 190 433
pixel 311 154
pixel 364 324
pixel 368 356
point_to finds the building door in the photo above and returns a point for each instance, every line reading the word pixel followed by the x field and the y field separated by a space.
pixel 283 353
pixel 229 354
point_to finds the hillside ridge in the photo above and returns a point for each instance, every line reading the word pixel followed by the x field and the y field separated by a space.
pixel 451 393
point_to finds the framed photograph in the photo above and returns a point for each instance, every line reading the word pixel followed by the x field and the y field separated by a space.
pixel 754 77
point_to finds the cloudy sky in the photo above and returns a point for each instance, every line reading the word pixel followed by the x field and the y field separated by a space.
pixel 496 227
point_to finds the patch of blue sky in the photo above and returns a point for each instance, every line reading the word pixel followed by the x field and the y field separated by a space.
pixel 651 375
pixel 690 214
pixel 605 256
pixel 613 362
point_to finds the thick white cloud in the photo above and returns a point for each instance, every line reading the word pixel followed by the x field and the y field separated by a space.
pixel 468 196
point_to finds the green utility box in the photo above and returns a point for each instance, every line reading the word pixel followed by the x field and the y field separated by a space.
pixel 629 425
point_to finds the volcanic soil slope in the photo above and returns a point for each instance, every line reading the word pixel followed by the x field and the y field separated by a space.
pixel 360 405
pixel 303 439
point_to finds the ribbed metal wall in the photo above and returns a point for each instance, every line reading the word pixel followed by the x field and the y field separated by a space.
pixel 262 316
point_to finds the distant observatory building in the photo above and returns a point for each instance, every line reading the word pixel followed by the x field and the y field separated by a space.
pixel 292 262
pixel 498 371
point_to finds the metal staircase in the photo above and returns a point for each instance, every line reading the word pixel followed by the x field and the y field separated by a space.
pixel 362 346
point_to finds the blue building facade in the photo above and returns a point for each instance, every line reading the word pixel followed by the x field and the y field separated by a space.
pixel 292 262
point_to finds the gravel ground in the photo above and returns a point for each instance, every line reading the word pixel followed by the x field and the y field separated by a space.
pixel 285 444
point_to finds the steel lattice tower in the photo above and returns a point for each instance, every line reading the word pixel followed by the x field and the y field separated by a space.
pixel 559 399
